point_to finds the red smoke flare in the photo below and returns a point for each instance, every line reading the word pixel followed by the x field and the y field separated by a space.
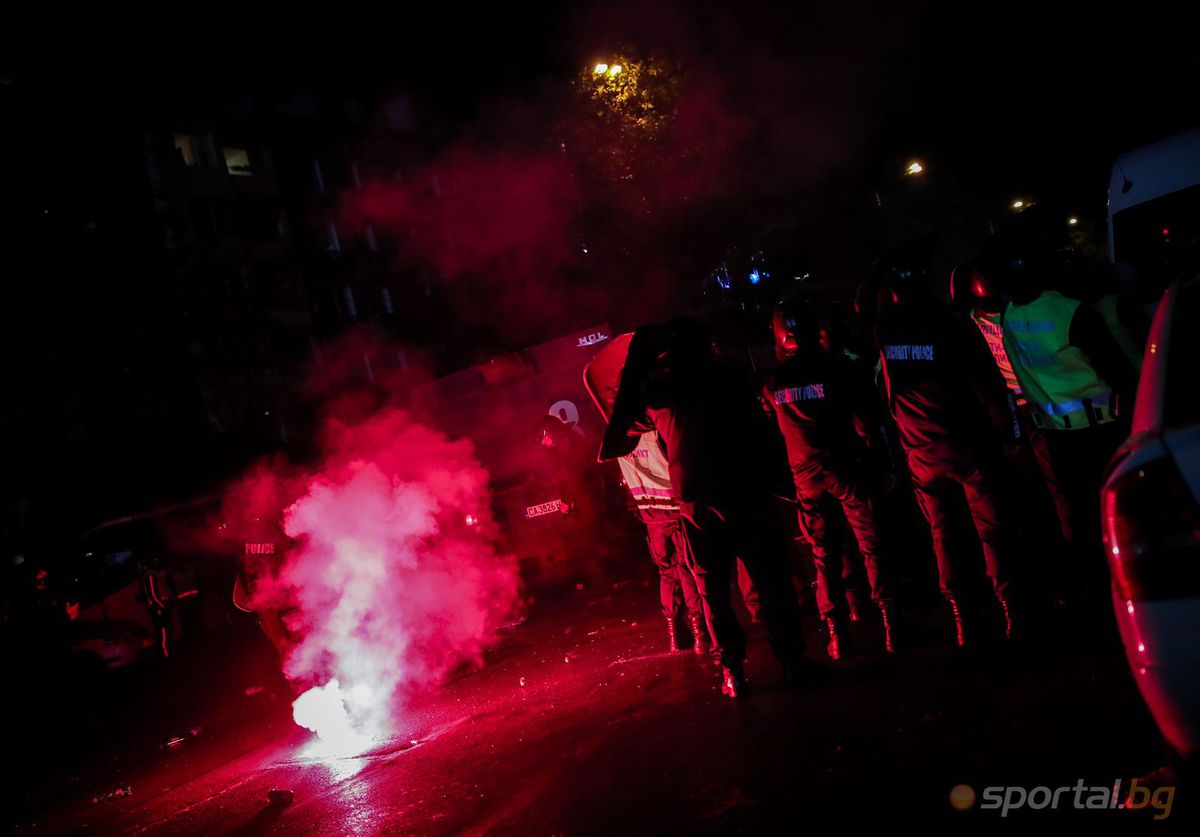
pixel 385 588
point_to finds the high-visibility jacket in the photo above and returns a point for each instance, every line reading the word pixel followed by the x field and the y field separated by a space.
pixel 1106 307
pixel 1059 382
pixel 648 477
pixel 991 326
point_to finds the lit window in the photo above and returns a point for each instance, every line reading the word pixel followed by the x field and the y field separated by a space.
pixel 183 144
pixel 237 161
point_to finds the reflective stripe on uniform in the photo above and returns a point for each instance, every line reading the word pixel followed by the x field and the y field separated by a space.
pixel 1066 407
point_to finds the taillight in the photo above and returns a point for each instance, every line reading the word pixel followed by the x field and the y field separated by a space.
pixel 1152 533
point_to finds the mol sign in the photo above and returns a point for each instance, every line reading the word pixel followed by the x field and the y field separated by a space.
pixel 592 339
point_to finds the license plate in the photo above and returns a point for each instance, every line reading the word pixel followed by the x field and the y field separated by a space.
pixel 543 509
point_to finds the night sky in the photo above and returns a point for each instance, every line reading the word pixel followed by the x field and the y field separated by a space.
pixel 1025 92
pixel 794 116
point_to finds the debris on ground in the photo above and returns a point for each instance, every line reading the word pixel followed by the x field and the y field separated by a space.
pixel 281 796
pixel 179 740
pixel 119 792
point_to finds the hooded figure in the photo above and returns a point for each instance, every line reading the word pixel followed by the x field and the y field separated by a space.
pixel 710 424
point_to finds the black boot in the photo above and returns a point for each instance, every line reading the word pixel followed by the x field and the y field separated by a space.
pixel 889 615
pixel 733 681
pixel 838 640
pixel 673 634
pixel 1013 620
pixel 960 637
pixel 853 612
pixel 700 641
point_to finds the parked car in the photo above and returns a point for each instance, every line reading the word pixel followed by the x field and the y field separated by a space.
pixel 1151 517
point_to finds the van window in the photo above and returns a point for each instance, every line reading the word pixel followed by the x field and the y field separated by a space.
pixel 1160 239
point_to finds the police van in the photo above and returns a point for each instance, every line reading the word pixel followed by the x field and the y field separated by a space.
pixel 1151 496
pixel 1154 212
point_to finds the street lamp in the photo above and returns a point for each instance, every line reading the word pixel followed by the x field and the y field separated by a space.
pixel 914 168
pixel 601 69
pixel 615 69
pixel 1018 204
pixel 1072 220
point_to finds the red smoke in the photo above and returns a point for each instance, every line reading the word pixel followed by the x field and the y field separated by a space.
pixel 386 585
pixel 557 207
pixel 495 225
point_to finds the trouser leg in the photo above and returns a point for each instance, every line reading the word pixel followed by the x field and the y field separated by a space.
pixel 685 583
pixel 1080 457
pixel 991 523
pixel 760 542
pixel 822 529
pixel 1055 477
pixel 858 507
pixel 749 594
pixel 662 552
pixel 1033 498
pixel 935 496
pixel 712 556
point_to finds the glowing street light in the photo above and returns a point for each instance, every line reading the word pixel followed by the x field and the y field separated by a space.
pixel 615 69
pixel 1018 204
pixel 914 167
pixel 1072 220
pixel 601 69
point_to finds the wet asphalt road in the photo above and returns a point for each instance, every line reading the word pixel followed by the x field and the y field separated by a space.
pixel 580 724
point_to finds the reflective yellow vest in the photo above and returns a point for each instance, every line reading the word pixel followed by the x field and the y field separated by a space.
pixel 992 328
pixel 1062 387
pixel 647 476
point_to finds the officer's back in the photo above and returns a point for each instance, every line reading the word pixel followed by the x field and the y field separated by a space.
pixel 927 354
pixel 818 397
pixel 706 415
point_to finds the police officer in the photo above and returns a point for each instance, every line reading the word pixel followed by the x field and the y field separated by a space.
pixel 1076 378
pixel 988 301
pixel 710 423
pixel 952 414
pixel 825 409
pixel 645 472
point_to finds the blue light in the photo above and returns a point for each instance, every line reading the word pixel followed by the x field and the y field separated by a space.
pixel 755 278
